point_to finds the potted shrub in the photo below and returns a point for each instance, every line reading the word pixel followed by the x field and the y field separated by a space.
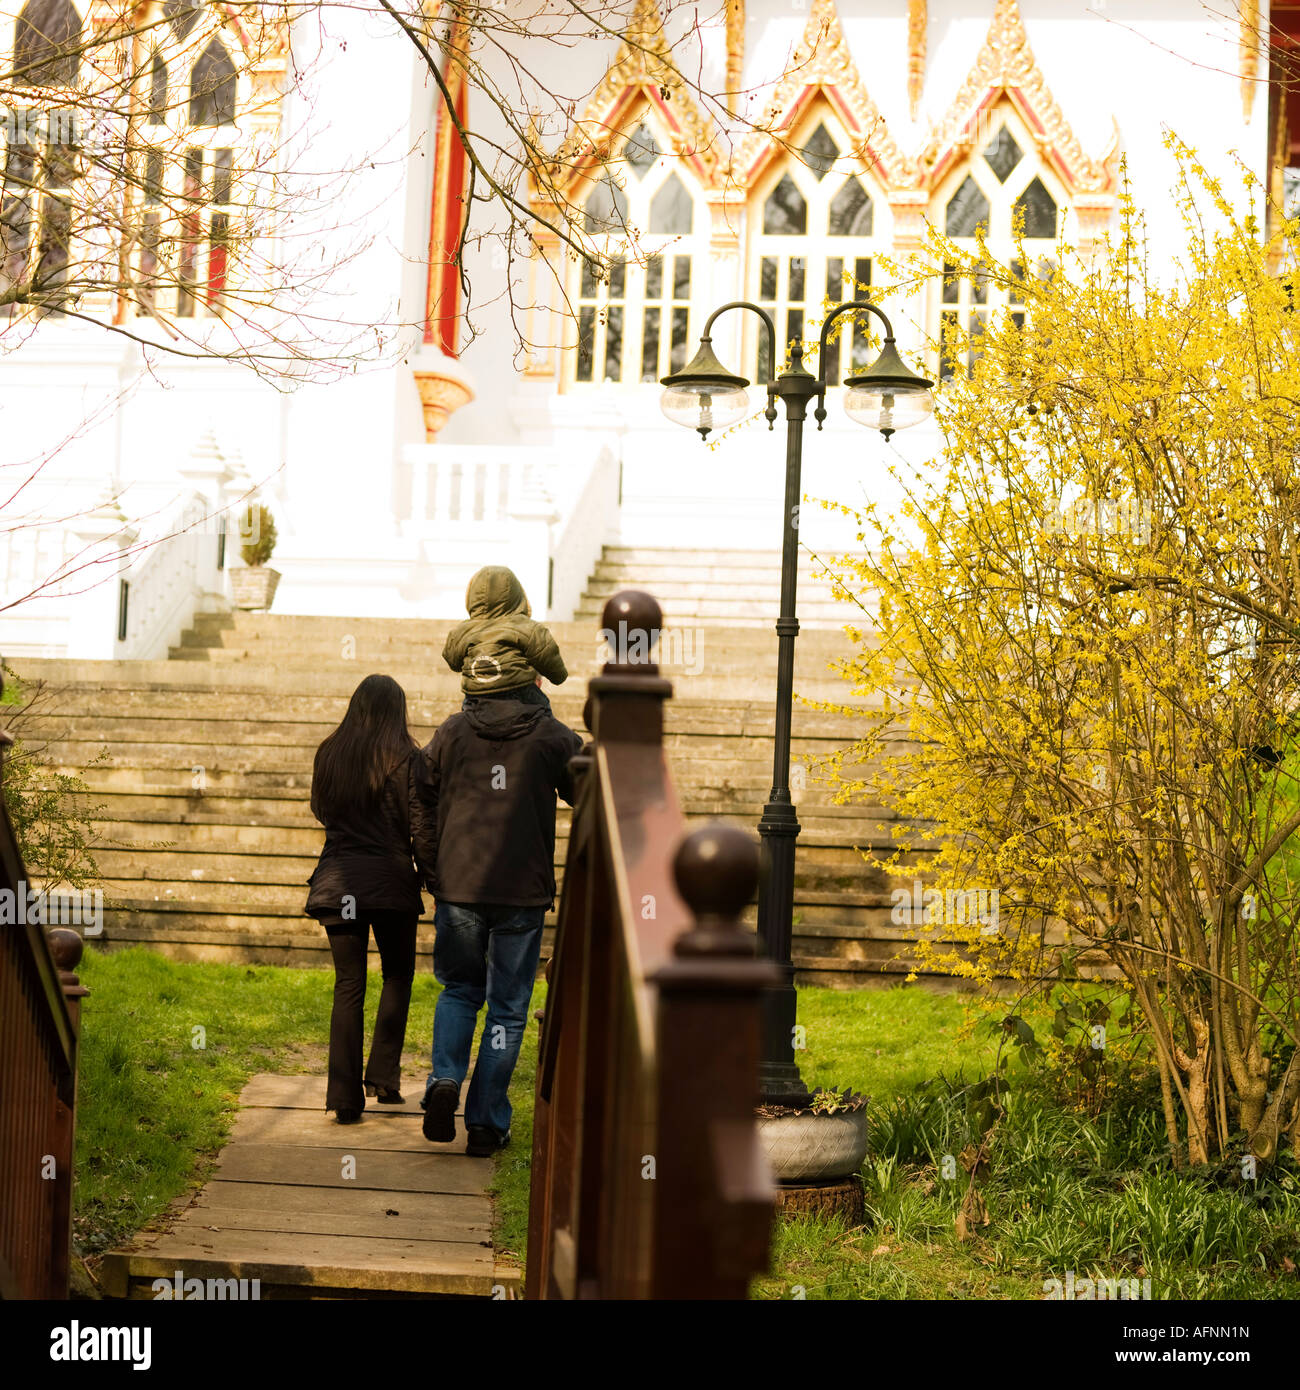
pixel 819 1143
pixel 254 585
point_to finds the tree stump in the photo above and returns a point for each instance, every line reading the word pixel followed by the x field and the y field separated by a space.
pixel 842 1198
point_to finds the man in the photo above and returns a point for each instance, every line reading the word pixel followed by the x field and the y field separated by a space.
pixel 489 778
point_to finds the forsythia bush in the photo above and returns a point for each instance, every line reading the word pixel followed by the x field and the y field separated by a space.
pixel 1088 651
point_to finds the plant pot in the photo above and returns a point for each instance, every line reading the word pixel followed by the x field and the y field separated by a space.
pixel 810 1147
pixel 253 586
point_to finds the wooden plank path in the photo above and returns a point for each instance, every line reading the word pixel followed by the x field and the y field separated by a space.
pixel 314 1209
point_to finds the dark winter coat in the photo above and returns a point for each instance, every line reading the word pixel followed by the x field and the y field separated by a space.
pixel 489 778
pixel 499 647
pixel 369 855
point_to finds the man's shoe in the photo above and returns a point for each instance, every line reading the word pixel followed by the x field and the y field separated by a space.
pixel 347 1115
pixel 440 1103
pixel 483 1141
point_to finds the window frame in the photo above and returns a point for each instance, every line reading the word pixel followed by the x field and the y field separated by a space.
pixel 200 162
pixel 677 312
pixel 960 296
pixel 816 248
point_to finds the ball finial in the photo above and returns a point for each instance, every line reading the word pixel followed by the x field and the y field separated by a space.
pixel 66 946
pixel 630 623
pixel 716 871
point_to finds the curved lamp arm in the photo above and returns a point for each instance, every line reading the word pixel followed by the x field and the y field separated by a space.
pixel 820 412
pixel 770 413
pixel 767 323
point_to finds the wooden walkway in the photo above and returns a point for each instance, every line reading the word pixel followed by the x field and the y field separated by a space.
pixel 314 1209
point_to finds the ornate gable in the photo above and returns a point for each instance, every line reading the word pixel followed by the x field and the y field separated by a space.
pixel 1006 66
pixel 821 64
pixel 642 70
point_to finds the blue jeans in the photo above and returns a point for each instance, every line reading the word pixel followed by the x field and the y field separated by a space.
pixel 483 952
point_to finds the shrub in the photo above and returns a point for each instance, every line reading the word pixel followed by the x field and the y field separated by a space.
pixel 258 526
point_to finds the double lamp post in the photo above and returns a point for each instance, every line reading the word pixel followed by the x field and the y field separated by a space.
pixel 705 396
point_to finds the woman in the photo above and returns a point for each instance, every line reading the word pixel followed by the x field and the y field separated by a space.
pixel 363 793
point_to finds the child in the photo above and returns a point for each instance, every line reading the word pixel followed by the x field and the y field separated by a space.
pixel 499 649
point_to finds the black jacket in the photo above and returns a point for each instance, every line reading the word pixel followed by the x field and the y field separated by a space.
pixel 368 855
pixel 489 779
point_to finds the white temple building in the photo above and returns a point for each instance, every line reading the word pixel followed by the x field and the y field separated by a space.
pixel 447 449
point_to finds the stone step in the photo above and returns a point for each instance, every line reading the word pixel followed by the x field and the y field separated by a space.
pixel 269 894
pixel 430 635
pixel 702 567
pixel 704 672
pixel 217 805
pixel 640 557
pixel 218 737
pixel 672 594
pixel 810 737
pixel 718 648
pixel 276 683
pixel 127 698
pixel 824 843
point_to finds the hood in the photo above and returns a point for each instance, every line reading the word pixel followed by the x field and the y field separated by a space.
pixel 493 592
pixel 499 718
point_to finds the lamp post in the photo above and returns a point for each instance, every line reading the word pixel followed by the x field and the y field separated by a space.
pixel 705 396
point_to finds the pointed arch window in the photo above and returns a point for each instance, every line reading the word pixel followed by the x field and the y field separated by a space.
pixel 852 211
pixel 42 164
pixel 634 324
pixel 967 211
pixel 997 185
pixel 672 209
pixel 187 176
pixel 212 87
pixel 1037 208
pixel 156 114
pixel 47 44
pixel 605 211
pixel 785 210
pixel 182 15
pixel 815 234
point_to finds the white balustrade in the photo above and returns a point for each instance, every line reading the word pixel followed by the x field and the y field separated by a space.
pixel 171 580
pixel 542 512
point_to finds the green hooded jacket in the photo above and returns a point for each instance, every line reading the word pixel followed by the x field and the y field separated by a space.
pixel 499 647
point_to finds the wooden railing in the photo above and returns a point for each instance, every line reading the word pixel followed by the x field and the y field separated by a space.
pixel 647 1177
pixel 40 999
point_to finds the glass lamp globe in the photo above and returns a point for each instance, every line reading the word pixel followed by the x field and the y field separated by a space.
pixel 888 396
pixel 704 406
pixel 704 395
pixel 887 408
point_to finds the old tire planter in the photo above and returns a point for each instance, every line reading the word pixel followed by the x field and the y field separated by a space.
pixel 806 1147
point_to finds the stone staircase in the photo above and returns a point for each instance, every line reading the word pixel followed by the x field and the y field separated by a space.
pixel 718 588
pixel 202 764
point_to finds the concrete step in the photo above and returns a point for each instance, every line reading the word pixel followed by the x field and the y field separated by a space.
pixel 674 560
pixel 213 863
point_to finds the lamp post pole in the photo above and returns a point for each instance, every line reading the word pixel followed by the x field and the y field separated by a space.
pixel 703 395
pixel 778 827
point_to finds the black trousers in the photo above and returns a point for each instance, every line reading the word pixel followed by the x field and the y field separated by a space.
pixel 349 941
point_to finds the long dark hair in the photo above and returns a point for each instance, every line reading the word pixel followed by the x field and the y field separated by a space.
pixel 353 763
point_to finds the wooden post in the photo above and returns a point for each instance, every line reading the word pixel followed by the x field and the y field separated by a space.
pixel 715 1192
pixel 39 1016
pixel 66 948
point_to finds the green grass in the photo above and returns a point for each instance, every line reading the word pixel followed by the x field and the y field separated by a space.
pixel 1065 1191
pixel 509 1187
